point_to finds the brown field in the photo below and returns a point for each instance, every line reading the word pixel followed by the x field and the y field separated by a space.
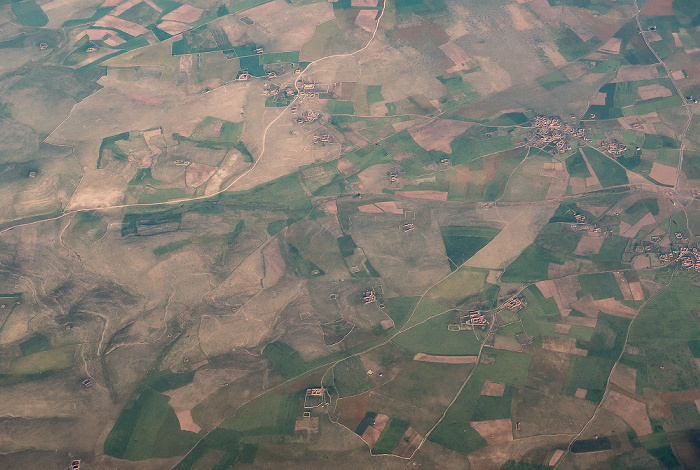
pixel 275 266
pixel 502 342
pixel 457 55
pixel 594 209
pixel 555 457
pixel 614 307
pixel 438 134
pixel 547 13
pixel 628 73
pixel 371 436
pixel 122 25
pixel 563 328
pixel 589 245
pixel 658 8
pixel 493 389
pixel 370 209
pixel 145 99
pixel 599 99
pixel 677 40
pixel 445 359
pixel 555 270
pixel 346 167
pixel 184 14
pixel 408 443
pixel 186 422
pixel 364 3
pixel 582 321
pixel 351 410
pixel 581 393
pixel 632 231
pixel 390 207
pixel 564 345
pixel 173 27
pixel 631 411
pixel 578 185
pixel 624 377
pixel 612 46
pixel 648 92
pixel 623 285
pixel 197 174
pixel 309 425
pixel 122 7
pixel 522 19
pixel 495 431
pixel 366 19
pixel 663 173
pixel 426 194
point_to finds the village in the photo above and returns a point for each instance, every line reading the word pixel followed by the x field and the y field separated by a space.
pixel 551 130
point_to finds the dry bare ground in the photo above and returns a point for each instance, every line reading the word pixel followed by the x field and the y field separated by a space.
pixel 612 46
pixel 186 422
pixel 495 431
pixel 197 174
pixel 437 134
pixel 648 92
pixel 367 20
pixel 564 345
pixel 408 443
pixel 445 359
pixel 589 245
pixel 493 389
pixel 624 377
pixel 664 174
pixel 426 194
pixel 275 266
pixel 658 8
pixel 631 411
pixel 628 73
pixel 346 167
pixel 457 55
pixel 184 14
pixel 563 328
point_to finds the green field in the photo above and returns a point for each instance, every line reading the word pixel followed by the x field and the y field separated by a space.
pixel 29 13
pixel 600 286
pixel 270 414
pixel 34 344
pixel 432 337
pixel 493 407
pixel 401 308
pixel 43 361
pixel 576 166
pixel 668 317
pixel 462 242
pixel 589 373
pixel 391 435
pixel 552 80
pixel 350 377
pixel 170 247
pixel 608 172
pixel 148 428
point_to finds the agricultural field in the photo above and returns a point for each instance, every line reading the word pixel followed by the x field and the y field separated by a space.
pixel 383 234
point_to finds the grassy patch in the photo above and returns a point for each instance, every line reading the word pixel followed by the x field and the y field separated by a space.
pixel 400 308
pixel 170 247
pixel 374 94
pixel 392 433
pixel 488 408
pixel 668 317
pixel 286 360
pixel 576 166
pixel 532 265
pixel 270 414
pixel 600 286
pixel 29 13
pixel 43 361
pixel 463 242
pixel 432 337
pixel 339 107
pixel 590 373
pixel 553 80
pixel 148 429
pixel 671 367
pixel 608 172
pixel 35 344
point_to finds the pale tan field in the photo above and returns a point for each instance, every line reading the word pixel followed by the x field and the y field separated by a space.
pixel 495 431
pixel 631 411
pixel 445 359
pixel 438 134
